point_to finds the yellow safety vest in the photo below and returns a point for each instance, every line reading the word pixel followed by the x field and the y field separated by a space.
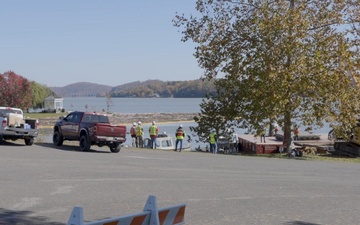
pixel 212 138
pixel 180 133
pixel 139 131
pixel 153 130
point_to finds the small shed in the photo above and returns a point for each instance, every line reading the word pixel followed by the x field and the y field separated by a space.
pixel 52 103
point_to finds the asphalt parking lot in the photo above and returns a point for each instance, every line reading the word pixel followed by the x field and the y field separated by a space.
pixel 41 184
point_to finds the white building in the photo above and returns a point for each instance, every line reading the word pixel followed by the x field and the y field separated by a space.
pixel 52 103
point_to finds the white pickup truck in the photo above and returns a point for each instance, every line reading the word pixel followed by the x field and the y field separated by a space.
pixel 13 126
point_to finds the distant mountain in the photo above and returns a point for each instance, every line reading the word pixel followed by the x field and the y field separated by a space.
pixel 143 89
pixel 164 89
pixel 82 89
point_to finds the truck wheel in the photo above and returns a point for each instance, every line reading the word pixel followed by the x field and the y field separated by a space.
pixel 84 143
pixel 115 148
pixel 29 142
pixel 57 138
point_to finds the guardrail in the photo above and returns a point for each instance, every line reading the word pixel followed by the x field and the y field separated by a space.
pixel 151 215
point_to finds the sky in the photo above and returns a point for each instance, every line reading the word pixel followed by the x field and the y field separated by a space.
pixel 110 42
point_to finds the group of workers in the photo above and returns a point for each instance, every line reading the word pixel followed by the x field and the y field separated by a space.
pixel 137 135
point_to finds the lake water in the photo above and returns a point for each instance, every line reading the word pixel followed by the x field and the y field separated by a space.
pixel 134 105
pixel 150 105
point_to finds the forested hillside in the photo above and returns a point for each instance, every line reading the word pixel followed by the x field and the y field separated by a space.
pixel 146 89
pixel 82 89
pixel 164 89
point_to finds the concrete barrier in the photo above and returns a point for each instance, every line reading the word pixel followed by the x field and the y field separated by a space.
pixel 151 215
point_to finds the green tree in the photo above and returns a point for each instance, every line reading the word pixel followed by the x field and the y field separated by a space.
pixel 285 61
pixel 39 93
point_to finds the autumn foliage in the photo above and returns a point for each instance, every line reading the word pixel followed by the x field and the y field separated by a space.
pixel 15 91
pixel 286 61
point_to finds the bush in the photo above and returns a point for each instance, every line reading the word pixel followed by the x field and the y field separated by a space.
pixel 49 111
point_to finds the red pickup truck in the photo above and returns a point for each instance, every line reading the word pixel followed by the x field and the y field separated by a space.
pixel 89 129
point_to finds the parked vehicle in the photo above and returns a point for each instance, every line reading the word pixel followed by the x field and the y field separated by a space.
pixel 14 126
pixel 89 129
pixel 346 147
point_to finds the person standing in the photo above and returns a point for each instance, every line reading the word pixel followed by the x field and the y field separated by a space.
pixel 180 134
pixel 276 130
pixel 262 134
pixel 154 131
pixel 296 133
pixel 212 141
pixel 139 135
pixel 234 140
pixel 133 135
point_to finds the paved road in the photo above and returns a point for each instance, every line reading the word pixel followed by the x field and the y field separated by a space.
pixel 41 184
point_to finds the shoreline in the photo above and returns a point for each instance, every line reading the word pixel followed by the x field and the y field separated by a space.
pixel 130 118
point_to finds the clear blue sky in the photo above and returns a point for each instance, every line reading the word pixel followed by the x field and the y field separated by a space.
pixel 109 42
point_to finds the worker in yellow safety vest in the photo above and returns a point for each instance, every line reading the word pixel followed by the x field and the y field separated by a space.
pixel 139 135
pixel 154 131
pixel 212 141
pixel 179 134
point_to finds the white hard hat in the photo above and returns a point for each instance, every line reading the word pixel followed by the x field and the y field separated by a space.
pixel 180 125
pixel 139 122
pixel 134 124
pixel 153 122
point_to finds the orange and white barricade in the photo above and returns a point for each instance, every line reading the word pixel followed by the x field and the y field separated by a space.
pixel 151 215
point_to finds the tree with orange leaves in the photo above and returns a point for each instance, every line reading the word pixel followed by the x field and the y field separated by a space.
pixel 15 90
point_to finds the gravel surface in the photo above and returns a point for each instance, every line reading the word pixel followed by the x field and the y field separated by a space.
pixel 40 184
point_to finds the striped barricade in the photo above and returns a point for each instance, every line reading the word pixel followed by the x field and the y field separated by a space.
pixel 151 215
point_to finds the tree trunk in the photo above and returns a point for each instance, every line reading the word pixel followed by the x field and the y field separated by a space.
pixel 287 133
pixel 271 129
pixel 287 122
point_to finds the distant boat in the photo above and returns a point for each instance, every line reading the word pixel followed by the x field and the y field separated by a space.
pixel 164 142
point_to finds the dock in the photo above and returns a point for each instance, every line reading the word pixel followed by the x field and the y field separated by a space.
pixel 249 144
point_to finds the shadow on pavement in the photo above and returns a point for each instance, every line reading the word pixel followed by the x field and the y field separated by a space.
pixel 69 148
pixel 300 223
pixel 12 143
pixel 8 217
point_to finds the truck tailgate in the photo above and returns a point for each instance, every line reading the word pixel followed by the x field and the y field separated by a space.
pixel 111 130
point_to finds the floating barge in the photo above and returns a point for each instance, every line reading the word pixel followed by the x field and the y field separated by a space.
pixel 248 144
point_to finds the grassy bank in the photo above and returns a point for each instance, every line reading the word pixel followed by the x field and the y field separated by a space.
pixel 48 119
pixel 44 115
